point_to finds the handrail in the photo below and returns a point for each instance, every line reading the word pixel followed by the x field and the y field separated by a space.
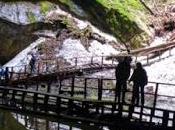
pixel 99 100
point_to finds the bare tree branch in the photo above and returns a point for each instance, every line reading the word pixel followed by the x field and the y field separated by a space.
pixel 143 3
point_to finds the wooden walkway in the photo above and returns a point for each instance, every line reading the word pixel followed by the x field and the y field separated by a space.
pixel 52 69
pixel 85 99
pixel 22 77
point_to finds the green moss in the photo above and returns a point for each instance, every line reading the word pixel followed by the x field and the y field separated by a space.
pixel 124 7
pixel 45 7
pixel 31 17
pixel 117 17
pixel 121 18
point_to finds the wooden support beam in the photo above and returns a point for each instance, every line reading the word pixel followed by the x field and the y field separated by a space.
pixel 165 119
pixel 46 99
pixel 155 101
pixel 72 86
pixel 85 88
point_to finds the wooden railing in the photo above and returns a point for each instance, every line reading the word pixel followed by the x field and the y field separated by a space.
pixel 85 95
pixel 50 66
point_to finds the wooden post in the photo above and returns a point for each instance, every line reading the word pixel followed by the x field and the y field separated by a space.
pixel 85 88
pixel 60 85
pixel 159 55
pixel 70 106
pixel 113 108
pixel 58 104
pixel 22 100
pixel 102 109
pixel 72 86
pixel 37 85
pixel 100 82
pixel 174 120
pixel 136 59
pixel 100 87
pixel 154 103
pixel 48 86
pixel 47 67
pixel 76 61
pixel 102 59
pixel 35 96
pixel 147 59
pixel 38 68
pixel 141 113
pixel 112 61
pixel 131 110
pixel 57 65
pixel 92 58
pixel 26 86
pixel 13 102
pixel 19 74
pixel 170 51
pixel 11 74
pixel 25 69
pixel 46 99
pixel 165 118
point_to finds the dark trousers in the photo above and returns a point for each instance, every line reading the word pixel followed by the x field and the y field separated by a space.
pixel 135 96
pixel 121 88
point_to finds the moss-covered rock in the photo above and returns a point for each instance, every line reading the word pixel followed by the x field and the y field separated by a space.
pixel 116 17
pixel 121 18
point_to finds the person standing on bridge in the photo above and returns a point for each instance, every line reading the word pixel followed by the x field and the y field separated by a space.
pixel 32 63
pixel 1 74
pixel 122 73
pixel 6 75
pixel 140 79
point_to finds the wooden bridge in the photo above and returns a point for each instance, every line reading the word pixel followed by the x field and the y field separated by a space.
pixel 77 65
pixel 90 100
pixel 85 99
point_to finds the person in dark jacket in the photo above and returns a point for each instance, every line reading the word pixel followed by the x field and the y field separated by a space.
pixel 6 75
pixel 32 63
pixel 140 79
pixel 122 73
pixel 1 74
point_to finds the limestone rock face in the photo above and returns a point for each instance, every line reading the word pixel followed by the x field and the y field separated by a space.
pixel 18 22
pixel 20 12
pixel 127 21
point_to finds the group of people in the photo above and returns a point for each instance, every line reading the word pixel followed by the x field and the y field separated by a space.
pixel 5 75
pixel 139 79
